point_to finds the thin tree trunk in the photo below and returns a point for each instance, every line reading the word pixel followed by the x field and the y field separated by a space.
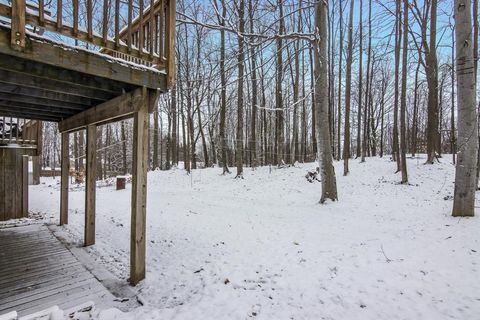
pixel 124 147
pixel 452 116
pixel 280 113
pixel 403 103
pixel 241 57
pixel 348 92
pixel 415 113
pixel 155 139
pixel 253 129
pixel 432 80
pixel 339 106
pixel 223 81
pixel 398 37
pixel 360 86
pixel 173 108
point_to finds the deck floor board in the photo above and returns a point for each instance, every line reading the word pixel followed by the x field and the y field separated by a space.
pixel 43 273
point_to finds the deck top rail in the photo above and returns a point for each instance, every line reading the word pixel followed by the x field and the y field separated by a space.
pixel 139 31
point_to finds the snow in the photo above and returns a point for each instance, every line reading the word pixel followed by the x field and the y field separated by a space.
pixel 262 247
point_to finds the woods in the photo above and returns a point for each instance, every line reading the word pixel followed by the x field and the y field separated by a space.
pixel 254 88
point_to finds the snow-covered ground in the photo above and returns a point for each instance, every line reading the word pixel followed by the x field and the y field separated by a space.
pixel 262 247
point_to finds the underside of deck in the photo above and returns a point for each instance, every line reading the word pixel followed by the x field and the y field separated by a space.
pixel 38 272
pixel 51 81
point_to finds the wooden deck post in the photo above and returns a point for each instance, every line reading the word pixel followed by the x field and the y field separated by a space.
pixel 36 160
pixel 25 185
pixel 139 191
pixel 90 184
pixel 18 24
pixel 64 179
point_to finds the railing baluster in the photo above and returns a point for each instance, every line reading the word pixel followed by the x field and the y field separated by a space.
pixel 157 27
pixel 18 24
pixel 170 24
pixel 10 138
pixel 105 21
pixel 59 15
pixel 151 27
pixel 117 23
pixel 145 38
pixel 129 27
pixel 89 20
pixel 41 12
pixel 161 18
pixel 75 17
pixel 140 27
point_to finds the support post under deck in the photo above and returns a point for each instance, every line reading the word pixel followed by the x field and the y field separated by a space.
pixel 64 179
pixel 139 191
pixel 90 184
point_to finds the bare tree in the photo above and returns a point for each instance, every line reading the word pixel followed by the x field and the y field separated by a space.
pixel 325 157
pixel 403 102
pixel 348 93
pixel 241 58
pixel 465 177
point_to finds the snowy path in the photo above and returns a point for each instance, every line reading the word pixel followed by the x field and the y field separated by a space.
pixel 262 247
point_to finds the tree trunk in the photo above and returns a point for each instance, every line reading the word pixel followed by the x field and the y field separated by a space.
pixel 173 136
pixel 223 104
pixel 452 116
pixel 415 114
pixel 339 106
pixel 155 139
pixel 360 86
pixel 124 147
pixel 348 93
pixel 403 103
pixel 465 178
pixel 432 81
pixel 280 113
pixel 398 37
pixel 241 57
pixel 253 129
pixel 325 157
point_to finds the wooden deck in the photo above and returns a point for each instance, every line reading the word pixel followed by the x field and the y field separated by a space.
pixel 37 272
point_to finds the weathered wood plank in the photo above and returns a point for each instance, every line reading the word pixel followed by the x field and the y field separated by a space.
pixel 77 297
pixel 139 192
pixel 65 169
pixel 14 110
pixel 37 267
pixel 24 193
pixel 76 289
pixel 47 104
pixel 10 173
pixel 90 185
pixel 29 80
pixel 118 107
pixel 18 38
pixel 34 272
pixel 82 61
pixel 54 286
pixel 48 96
pixel 43 275
pixel 19 261
pixel 62 76
pixel 3 215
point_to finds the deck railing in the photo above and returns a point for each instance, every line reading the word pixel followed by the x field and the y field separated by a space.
pixel 18 131
pixel 140 31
